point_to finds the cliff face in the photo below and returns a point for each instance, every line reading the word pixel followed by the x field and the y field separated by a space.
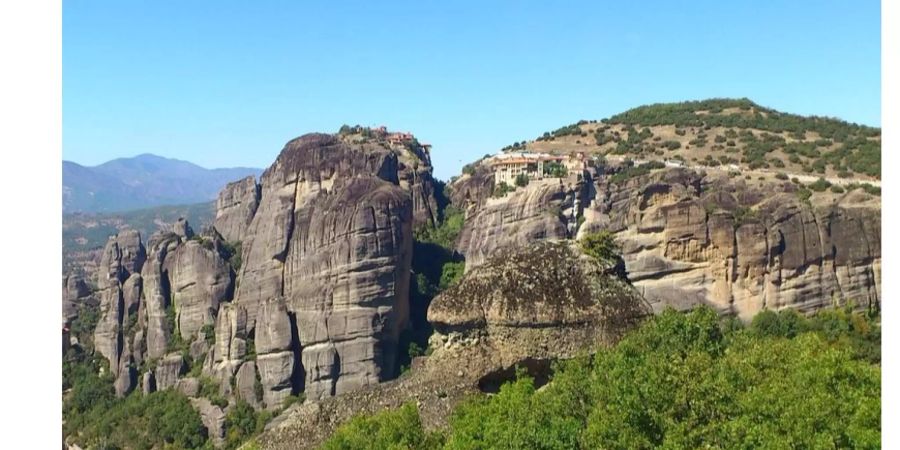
pixel 544 209
pixel 331 244
pixel 235 207
pixel 690 238
pixel 317 304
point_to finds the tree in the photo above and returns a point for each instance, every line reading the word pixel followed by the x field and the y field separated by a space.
pixel 522 180
pixel 600 245
pixel 388 430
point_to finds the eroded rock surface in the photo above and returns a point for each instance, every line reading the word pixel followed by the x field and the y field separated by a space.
pixel 544 209
pixel 689 239
pixel 235 208
pixel 332 237
pixel 123 257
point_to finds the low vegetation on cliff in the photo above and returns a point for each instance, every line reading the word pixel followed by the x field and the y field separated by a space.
pixel 718 132
pixel 678 381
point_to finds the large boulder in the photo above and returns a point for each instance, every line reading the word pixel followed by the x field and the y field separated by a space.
pixel 543 285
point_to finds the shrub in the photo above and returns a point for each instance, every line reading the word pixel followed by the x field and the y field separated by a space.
pixel 501 189
pixel 672 145
pixel 554 169
pixel 391 429
pixel 819 185
pixel 601 245
pixel 241 423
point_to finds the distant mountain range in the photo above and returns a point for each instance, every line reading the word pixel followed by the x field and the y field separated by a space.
pixel 142 181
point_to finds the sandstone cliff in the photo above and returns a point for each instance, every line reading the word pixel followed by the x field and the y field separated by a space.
pixel 331 241
pixel 692 238
pixel 319 302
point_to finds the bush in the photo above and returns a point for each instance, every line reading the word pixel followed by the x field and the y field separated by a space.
pixel 521 180
pixel 163 419
pixel 671 145
pixel 555 170
pixel 837 189
pixel 241 423
pixel 601 245
pixel 819 185
pixel 501 189
pixel 397 429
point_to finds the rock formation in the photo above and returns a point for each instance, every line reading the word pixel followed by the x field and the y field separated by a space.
pixel 75 292
pixel 523 307
pixel 690 238
pixel 235 208
pixel 544 209
pixel 331 240
pixel 123 258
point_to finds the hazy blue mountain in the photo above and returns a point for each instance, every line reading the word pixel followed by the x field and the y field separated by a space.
pixel 143 181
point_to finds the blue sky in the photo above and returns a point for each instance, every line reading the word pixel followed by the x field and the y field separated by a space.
pixel 227 83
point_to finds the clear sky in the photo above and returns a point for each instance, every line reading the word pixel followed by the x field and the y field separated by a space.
pixel 227 83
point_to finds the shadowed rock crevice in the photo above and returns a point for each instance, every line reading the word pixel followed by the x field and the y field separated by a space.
pixel 538 369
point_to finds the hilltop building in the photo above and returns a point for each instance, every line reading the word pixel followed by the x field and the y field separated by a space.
pixel 508 166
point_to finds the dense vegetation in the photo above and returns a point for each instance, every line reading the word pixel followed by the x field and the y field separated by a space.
pixel 678 381
pixel 162 419
pixel 435 266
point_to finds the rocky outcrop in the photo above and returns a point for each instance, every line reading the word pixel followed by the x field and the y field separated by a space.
pixel 200 279
pixel 157 295
pixel 332 237
pixel 473 188
pixel 230 347
pixel 246 382
pixel 275 354
pixel 689 239
pixel 544 209
pixel 541 285
pixel 213 418
pixel 123 258
pixel 75 292
pixel 414 175
pixel 167 371
pixel 235 208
